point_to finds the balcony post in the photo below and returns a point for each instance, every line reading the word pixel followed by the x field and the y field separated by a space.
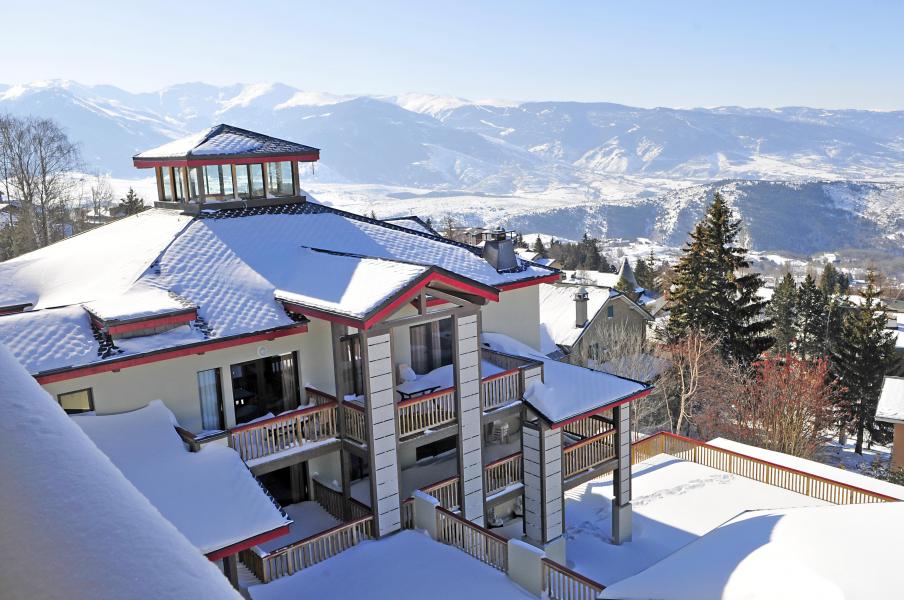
pixel 466 350
pixel 621 503
pixel 382 432
pixel 543 506
pixel 337 331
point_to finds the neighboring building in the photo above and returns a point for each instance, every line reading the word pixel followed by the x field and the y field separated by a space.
pixel 579 323
pixel 535 257
pixel 348 361
pixel 891 410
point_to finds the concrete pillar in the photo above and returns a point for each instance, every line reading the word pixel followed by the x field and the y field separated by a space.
pixel 621 503
pixel 425 512
pixel 525 566
pixel 383 449
pixel 470 457
pixel 542 451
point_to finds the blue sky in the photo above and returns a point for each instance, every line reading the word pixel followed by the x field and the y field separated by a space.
pixel 646 53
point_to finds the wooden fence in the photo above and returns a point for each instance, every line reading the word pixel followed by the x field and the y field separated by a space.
pixel 286 431
pixel 502 473
pixel 426 412
pixel 501 388
pixel 561 583
pixel 355 427
pixel 588 427
pixel 446 491
pixel 474 540
pixel 757 469
pixel 588 453
pixel 310 551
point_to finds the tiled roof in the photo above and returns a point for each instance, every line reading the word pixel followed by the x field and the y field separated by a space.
pixel 224 141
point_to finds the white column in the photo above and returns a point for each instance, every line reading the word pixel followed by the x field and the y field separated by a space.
pixel 552 484
pixel 621 503
pixel 542 451
pixel 469 442
pixel 381 422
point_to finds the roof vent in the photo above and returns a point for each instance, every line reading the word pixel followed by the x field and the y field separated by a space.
pixel 500 252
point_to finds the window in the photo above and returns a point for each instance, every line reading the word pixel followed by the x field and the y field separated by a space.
pixel 431 346
pixel 279 179
pixel 610 312
pixel 436 448
pixel 194 174
pixel 211 396
pixel 241 182
pixel 166 180
pixel 178 181
pixel 352 365
pixel 256 176
pixel 268 386
pixel 218 181
pixel 79 401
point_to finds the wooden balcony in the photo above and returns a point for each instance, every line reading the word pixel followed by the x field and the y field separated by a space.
pixel 502 473
pixel 588 454
pixel 430 411
pixel 355 425
pixel 508 386
pixel 561 583
pixel 292 431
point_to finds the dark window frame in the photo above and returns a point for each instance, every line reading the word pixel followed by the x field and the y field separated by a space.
pixel 77 412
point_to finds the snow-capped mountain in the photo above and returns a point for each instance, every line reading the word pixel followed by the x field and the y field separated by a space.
pixel 558 167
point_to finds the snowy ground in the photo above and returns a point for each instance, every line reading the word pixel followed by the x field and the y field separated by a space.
pixel 675 502
pixel 308 518
pixel 405 565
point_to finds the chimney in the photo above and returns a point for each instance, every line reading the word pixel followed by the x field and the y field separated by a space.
pixel 499 251
pixel 580 307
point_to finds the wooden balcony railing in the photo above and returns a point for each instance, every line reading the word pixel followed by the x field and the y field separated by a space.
pixel 290 430
pixel 589 427
pixel 763 471
pixel 310 551
pixel 446 491
pixel 501 388
pixel 319 397
pixel 502 473
pixel 355 427
pixel 474 540
pixel 426 412
pixel 561 583
pixel 588 453
pixel 407 516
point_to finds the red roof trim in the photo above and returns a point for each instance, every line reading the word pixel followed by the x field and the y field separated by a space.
pixel 551 278
pixel 431 302
pixel 249 543
pixel 178 319
pixel 147 163
pixel 208 346
pixel 596 411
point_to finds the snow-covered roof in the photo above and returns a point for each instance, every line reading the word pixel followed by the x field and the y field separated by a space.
pixel 783 553
pixel 412 222
pixel 814 468
pixel 73 526
pixel 557 313
pixel 891 401
pixel 567 391
pixel 138 302
pixel 210 496
pixel 223 141
pixel 597 278
pixel 235 266
pixel 406 565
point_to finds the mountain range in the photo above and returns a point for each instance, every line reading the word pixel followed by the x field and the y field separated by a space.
pixel 602 167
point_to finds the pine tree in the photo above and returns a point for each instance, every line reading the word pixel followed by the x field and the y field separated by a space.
pixel 645 272
pixel 810 325
pixel 131 204
pixel 863 353
pixel 712 292
pixel 539 248
pixel 831 281
pixel 781 311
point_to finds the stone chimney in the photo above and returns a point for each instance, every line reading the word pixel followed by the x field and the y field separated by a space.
pixel 499 251
pixel 580 307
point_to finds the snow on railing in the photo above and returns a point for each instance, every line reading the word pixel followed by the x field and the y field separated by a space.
pixel 294 557
pixel 426 412
pixel 502 473
pixel 501 388
pixel 284 432
pixel 588 453
pixel 446 491
pixel 474 540
pixel 561 583
pixel 757 469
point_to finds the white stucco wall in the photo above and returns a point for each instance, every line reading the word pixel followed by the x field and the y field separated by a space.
pixel 517 315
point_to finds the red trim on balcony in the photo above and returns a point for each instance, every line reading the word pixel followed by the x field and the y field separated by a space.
pixel 203 162
pixel 298 412
pixel 596 411
pixel 552 278
pixel 167 354
pixel 249 543
pixel 500 375
pixel 150 322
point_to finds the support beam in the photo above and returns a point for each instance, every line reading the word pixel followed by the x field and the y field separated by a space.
pixel 621 503
pixel 466 349
pixel 543 506
pixel 231 569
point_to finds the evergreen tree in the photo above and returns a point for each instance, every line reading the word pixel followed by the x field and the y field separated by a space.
pixel 781 311
pixel 645 272
pixel 131 204
pixel 539 248
pixel 712 292
pixel 810 325
pixel 832 281
pixel 863 353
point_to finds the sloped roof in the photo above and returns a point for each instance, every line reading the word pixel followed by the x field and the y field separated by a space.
pixel 414 223
pixel 234 265
pixel 891 401
pixel 223 142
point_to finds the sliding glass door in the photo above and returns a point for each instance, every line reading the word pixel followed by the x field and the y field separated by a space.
pixel 264 387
